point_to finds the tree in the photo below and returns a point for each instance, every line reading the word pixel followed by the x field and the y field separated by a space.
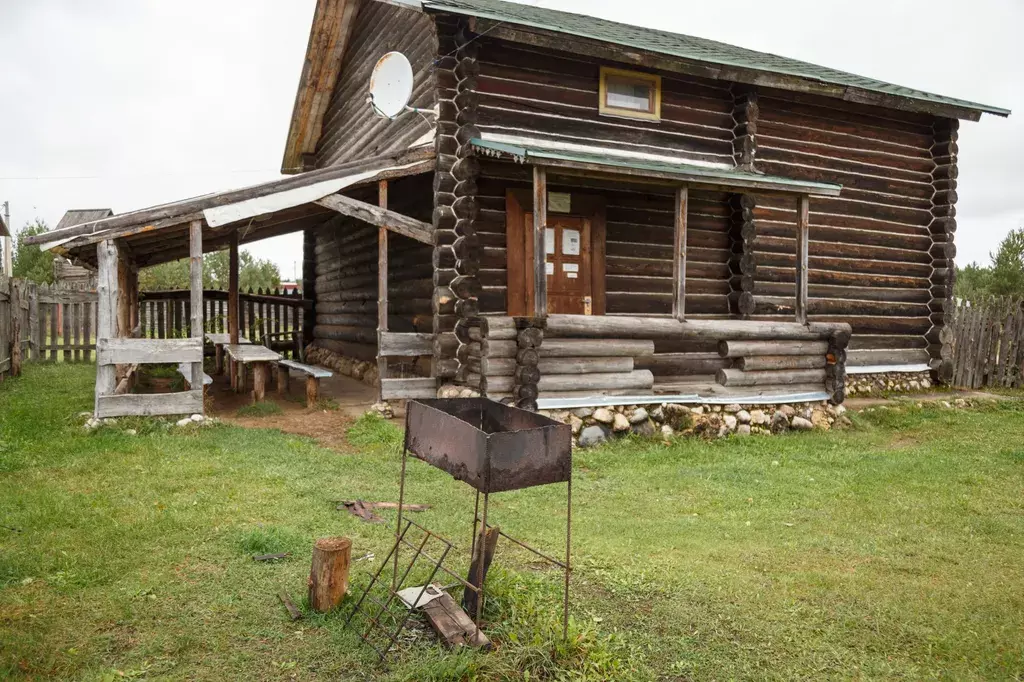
pixel 31 262
pixel 1004 277
pixel 253 273
pixel 1008 266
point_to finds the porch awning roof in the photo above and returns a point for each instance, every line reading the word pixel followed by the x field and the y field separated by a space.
pixel 616 161
pixel 160 233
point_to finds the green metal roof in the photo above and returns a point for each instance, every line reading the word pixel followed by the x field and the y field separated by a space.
pixel 683 172
pixel 688 47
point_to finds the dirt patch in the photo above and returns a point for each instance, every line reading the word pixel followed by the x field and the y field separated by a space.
pixel 345 399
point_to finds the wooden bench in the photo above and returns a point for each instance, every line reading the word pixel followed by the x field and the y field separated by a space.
pixel 313 377
pixel 185 370
pixel 260 358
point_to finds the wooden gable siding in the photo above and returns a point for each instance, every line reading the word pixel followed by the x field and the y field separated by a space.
pixel 552 95
pixel 870 260
pixel 351 129
pixel 640 229
pixel 346 274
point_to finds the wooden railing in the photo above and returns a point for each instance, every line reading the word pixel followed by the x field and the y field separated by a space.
pixel 988 343
pixel 165 315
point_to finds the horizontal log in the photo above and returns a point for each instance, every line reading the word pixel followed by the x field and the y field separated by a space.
pixel 739 349
pixel 865 358
pixel 630 327
pixel 637 379
pixel 575 348
pixel 775 362
pixel 584 365
pixel 345 333
pixel 359 351
pixel 737 377
pixel 676 364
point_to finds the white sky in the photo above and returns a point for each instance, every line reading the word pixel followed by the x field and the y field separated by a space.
pixel 129 103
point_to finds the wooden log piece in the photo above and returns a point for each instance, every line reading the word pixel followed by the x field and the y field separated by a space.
pixel 577 348
pixel 259 381
pixel 737 349
pixel 328 573
pixel 312 390
pixel 738 377
pixel 282 381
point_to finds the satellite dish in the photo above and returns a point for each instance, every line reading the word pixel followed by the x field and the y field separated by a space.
pixel 391 85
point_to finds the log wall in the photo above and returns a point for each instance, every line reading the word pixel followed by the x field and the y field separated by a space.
pixel 871 249
pixel 351 130
pixel 555 96
pixel 345 254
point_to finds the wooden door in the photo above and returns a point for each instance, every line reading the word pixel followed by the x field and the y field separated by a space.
pixel 568 260
pixel 576 245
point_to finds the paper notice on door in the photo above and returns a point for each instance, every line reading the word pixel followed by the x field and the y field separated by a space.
pixel 559 202
pixel 549 240
pixel 571 275
pixel 571 242
pixel 570 267
pixel 549 268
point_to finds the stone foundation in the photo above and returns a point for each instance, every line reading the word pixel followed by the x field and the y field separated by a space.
pixel 591 426
pixel 887 382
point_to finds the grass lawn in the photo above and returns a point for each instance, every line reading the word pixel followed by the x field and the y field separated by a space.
pixel 893 551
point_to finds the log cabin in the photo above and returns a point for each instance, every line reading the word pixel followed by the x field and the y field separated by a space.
pixel 575 210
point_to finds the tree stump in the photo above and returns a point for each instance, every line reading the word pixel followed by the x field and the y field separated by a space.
pixel 312 390
pixel 328 574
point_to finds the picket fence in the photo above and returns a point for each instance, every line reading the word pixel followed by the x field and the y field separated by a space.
pixel 58 322
pixel 988 343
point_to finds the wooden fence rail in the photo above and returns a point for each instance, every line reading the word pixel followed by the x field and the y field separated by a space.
pixel 988 343
pixel 165 315
pixel 58 322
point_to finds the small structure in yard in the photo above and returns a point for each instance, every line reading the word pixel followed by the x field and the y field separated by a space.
pixel 589 211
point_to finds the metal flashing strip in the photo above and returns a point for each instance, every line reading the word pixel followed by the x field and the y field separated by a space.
pixel 681 169
pixel 679 399
pixel 882 369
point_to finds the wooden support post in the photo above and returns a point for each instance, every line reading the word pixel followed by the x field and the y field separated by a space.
pixel 540 221
pixel 106 289
pixel 382 292
pixel 233 308
pixel 312 390
pixel 15 327
pixel 195 240
pixel 259 381
pixel 282 381
pixel 328 574
pixel 802 230
pixel 679 256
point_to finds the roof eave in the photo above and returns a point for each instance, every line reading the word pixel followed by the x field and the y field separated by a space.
pixel 498 27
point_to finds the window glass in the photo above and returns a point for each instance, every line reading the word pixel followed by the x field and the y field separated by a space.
pixel 624 93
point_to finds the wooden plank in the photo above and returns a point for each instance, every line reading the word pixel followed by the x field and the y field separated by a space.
pixel 123 351
pixel 679 255
pixel 540 221
pixel 87 317
pixel 452 624
pixel 65 312
pixel 802 241
pixel 311 370
pixel 106 288
pixel 54 313
pixel 76 328
pixel 393 344
pixel 415 388
pixel 382 290
pixel 33 322
pixel 233 311
pixel 196 279
pixel 150 404
pixel 381 217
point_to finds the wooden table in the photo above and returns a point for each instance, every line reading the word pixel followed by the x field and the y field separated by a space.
pixel 260 358
pixel 219 341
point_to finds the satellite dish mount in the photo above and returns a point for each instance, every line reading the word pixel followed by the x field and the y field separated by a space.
pixel 391 87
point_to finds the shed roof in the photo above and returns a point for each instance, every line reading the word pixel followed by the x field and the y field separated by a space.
pixel 77 216
pixel 160 233
pixel 579 157
pixel 850 86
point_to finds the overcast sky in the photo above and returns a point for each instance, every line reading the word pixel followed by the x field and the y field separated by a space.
pixel 123 104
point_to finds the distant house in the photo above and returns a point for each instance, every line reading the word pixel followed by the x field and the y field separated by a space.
pixel 5 251
pixel 64 271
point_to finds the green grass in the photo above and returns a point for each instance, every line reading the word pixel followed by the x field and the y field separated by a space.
pixel 264 408
pixel 892 551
